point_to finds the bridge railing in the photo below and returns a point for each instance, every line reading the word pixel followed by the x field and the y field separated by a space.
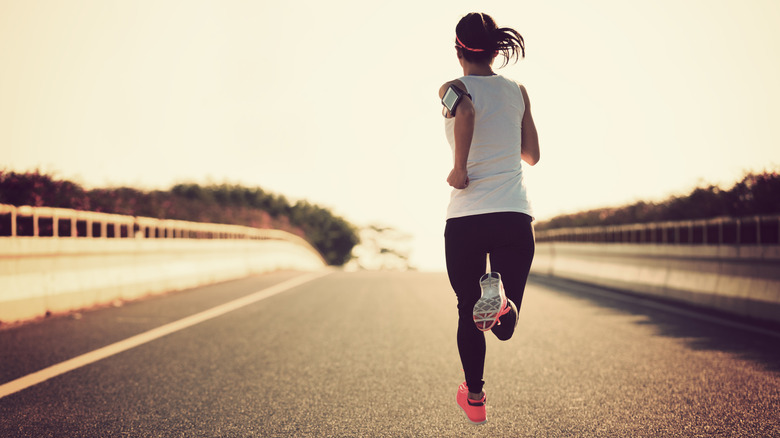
pixel 753 230
pixel 730 265
pixel 56 260
pixel 27 221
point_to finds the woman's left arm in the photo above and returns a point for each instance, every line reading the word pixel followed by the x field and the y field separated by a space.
pixel 529 148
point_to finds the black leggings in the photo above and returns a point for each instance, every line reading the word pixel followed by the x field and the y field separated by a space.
pixel 509 239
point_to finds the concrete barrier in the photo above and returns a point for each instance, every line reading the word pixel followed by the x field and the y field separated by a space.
pixel 742 280
pixel 40 275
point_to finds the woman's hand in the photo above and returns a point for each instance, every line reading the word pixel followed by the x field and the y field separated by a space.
pixel 458 178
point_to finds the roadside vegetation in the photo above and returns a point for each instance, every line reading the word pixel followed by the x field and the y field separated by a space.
pixel 333 236
pixel 755 194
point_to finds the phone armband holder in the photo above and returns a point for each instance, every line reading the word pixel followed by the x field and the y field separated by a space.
pixel 452 97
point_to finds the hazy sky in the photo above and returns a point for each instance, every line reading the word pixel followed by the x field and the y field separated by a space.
pixel 336 102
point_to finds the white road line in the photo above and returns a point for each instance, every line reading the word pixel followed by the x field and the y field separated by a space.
pixel 118 347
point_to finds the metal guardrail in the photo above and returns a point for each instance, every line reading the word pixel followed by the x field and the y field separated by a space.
pixel 27 221
pixel 753 230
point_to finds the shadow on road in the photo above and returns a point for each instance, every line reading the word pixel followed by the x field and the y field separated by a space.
pixel 699 328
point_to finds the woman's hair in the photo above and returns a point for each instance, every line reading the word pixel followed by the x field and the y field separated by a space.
pixel 479 39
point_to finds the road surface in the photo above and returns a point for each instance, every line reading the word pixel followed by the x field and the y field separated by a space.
pixel 373 354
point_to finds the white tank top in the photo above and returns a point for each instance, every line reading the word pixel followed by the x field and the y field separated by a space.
pixel 494 166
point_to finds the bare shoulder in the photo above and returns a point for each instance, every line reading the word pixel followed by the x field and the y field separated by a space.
pixel 456 82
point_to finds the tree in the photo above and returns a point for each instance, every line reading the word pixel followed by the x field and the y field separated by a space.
pixel 755 194
pixel 382 248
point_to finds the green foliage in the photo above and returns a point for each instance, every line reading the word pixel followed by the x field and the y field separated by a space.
pixel 756 194
pixel 331 235
pixel 40 190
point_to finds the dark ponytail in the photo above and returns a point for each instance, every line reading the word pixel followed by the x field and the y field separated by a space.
pixel 479 40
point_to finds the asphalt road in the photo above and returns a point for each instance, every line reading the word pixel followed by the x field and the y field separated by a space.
pixel 373 354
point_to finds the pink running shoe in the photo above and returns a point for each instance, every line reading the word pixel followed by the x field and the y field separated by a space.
pixel 493 301
pixel 507 322
pixel 474 409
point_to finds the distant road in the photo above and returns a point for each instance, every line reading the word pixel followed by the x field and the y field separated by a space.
pixel 373 354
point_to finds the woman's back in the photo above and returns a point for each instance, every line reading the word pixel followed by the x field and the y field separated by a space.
pixel 494 162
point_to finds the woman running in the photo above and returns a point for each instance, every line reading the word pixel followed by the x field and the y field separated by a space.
pixel 490 129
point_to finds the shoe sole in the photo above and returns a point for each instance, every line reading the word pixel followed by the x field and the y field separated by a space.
pixel 467 416
pixel 493 299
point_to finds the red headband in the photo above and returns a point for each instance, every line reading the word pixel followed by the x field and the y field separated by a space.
pixel 465 47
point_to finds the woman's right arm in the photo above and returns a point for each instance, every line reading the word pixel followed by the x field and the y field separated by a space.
pixel 529 148
pixel 464 132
